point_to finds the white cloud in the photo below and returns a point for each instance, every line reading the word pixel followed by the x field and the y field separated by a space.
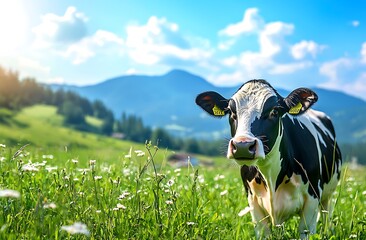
pixel 86 48
pixel 289 68
pixel 346 74
pixel 261 63
pixel 331 70
pixel 303 48
pixel 30 64
pixel 251 22
pixel 363 53
pixel 54 29
pixel 355 23
pixel 159 41
pixel 271 39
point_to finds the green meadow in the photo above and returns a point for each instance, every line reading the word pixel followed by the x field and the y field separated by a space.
pixel 59 183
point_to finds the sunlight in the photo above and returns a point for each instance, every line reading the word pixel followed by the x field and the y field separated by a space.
pixel 12 26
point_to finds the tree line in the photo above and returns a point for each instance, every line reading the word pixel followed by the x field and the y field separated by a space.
pixel 16 94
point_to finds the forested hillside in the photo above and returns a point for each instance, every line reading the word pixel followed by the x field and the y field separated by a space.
pixel 15 94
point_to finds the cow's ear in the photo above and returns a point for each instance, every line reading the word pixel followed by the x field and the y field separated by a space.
pixel 300 100
pixel 213 103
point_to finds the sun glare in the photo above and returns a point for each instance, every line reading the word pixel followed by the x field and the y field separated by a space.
pixel 12 26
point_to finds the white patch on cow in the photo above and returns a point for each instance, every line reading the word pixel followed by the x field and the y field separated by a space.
pixel 249 100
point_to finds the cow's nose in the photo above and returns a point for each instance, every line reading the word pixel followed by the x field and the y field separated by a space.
pixel 243 149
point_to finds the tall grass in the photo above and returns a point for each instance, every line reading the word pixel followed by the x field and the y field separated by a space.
pixel 138 196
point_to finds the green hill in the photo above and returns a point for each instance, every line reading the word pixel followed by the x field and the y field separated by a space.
pixel 41 127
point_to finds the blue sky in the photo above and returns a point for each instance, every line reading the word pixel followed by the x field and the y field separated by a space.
pixel 289 43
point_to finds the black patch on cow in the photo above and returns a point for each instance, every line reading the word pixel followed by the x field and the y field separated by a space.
pixel 266 127
pixel 299 154
pixel 248 173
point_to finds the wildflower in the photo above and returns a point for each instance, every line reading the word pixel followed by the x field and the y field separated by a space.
pixel 169 202
pixel 170 182
pixel 140 153
pixel 74 161
pixel 218 177
pixel 92 162
pixel 126 171
pixel 123 195
pixel 177 170
pixel 50 169
pixel 190 223
pixel 245 211
pixel 77 227
pixel 2 145
pixel 2 159
pixel 223 192
pixel 97 177
pixel 47 156
pixel 353 236
pixel 98 211
pixel 9 193
pixel 364 193
pixel 121 206
pixel 50 205
pixel 29 168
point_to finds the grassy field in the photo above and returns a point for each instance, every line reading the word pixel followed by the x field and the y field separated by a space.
pixel 72 185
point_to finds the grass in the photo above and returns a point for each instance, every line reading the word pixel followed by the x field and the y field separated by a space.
pixel 135 198
pixel 66 177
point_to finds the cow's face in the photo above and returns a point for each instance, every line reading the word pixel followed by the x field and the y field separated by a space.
pixel 255 113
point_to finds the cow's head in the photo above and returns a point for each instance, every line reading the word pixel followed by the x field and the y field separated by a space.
pixel 255 113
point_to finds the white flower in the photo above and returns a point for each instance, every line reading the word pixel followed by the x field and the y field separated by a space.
pixel 170 182
pixel 92 162
pixel 2 159
pixel 223 192
pixel 245 211
pixel 2 145
pixel 121 206
pixel 98 211
pixel 140 153
pixel 97 177
pixel 177 170
pixel 29 168
pixel 9 193
pixel 217 177
pixel 123 195
pixel 169 202
pixel 364 193
pixel 74 161
pixel 47 156
pixel 77 227
pixel 50 205
pixel 190 223
pixel 50 169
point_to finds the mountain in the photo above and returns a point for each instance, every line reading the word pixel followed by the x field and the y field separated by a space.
pixel 168 101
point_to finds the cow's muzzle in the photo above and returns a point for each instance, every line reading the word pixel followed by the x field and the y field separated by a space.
pixel 242 149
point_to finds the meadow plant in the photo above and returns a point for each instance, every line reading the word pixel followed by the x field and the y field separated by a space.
pixel 139 196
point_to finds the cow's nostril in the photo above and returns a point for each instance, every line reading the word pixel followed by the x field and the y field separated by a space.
pixel 252 147
pixel 243 149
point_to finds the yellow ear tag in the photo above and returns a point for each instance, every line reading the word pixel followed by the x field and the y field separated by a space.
pixel 217 111
pixel 295 109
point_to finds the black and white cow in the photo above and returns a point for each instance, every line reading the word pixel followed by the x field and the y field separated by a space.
pixel 290 161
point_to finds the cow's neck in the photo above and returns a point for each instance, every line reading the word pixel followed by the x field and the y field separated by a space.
pixel 271 165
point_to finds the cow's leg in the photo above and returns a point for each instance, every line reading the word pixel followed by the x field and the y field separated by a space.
pixel 259 218
pixel 308 218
